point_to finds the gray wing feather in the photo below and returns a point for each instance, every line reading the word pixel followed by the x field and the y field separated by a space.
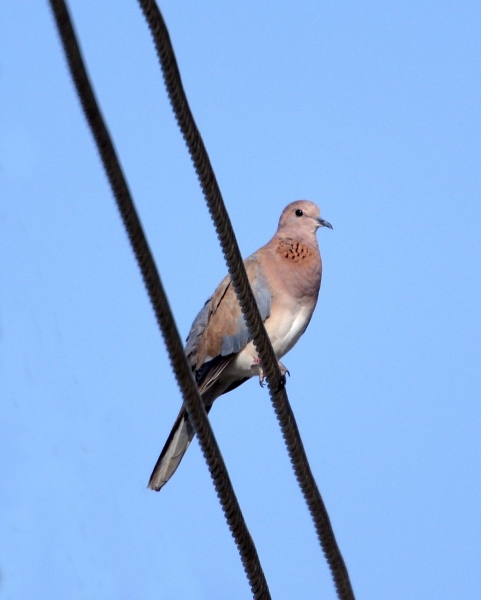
pixel 197 329
pixel 231 344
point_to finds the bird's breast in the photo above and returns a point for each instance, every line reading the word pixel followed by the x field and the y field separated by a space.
pixel 286 326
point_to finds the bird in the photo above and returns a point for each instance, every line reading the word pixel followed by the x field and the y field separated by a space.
pixel 285 277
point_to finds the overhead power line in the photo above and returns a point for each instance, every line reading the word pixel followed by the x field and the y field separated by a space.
pixel 153 284
pixel 233 258
pixel 164 316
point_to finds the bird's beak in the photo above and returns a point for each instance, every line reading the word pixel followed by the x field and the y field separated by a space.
pixel 323 223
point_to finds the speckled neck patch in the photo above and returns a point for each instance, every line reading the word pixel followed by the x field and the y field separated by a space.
pixel 293 250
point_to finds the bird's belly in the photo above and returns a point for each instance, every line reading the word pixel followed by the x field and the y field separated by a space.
pixel 284 332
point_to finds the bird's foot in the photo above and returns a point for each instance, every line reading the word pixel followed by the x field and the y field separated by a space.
pixel 257 365
pixel 284 371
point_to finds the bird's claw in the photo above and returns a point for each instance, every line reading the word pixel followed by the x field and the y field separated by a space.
pixel 261 378
pixel 284 371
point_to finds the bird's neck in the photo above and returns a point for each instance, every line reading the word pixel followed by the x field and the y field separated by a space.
pixel 296 248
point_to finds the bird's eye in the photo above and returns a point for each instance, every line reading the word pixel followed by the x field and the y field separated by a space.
pixel 299 212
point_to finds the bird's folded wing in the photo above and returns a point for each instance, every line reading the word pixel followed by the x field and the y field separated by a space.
pixel 220 331
pixel 211 371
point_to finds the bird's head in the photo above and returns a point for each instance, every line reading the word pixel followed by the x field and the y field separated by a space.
pixel 301 217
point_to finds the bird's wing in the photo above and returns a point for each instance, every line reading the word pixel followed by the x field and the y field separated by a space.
pixel 219 331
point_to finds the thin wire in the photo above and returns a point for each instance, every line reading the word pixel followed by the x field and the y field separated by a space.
pixel 163 313
pixel 245 296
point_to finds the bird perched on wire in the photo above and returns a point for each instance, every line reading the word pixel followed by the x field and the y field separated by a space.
pixel 285 276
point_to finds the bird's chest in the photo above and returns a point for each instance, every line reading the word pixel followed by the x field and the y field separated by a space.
pixel 298 268
pixel 286 325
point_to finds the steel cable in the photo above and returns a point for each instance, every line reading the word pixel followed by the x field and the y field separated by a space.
pixel 245 296
pixel 163 313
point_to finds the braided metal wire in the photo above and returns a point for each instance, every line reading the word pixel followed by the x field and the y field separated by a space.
pixel 245 296
pixel 163 313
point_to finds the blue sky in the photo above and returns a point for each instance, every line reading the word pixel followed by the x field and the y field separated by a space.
pixel 369 109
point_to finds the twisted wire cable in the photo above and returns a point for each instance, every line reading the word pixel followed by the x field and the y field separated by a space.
pixel 163 313
pixel 233 258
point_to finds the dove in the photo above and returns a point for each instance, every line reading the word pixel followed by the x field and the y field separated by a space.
pixel 285 277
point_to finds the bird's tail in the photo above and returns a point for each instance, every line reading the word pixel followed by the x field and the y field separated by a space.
pixel 175 447
pixel 210 388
